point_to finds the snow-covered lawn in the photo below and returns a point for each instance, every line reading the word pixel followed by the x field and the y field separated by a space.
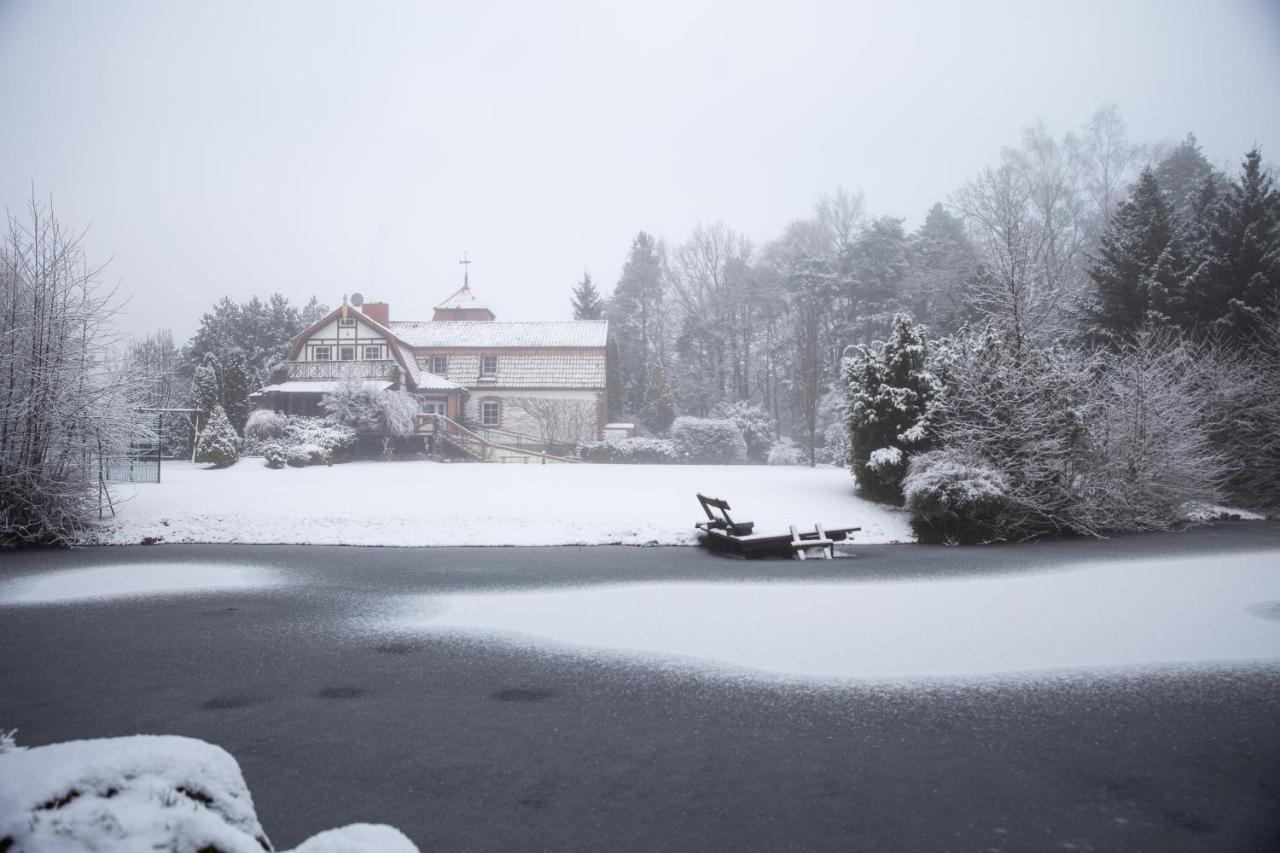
pixel 427 503
pixel 1208 611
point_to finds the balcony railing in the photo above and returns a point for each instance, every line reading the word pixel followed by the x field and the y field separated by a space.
pixel 385 369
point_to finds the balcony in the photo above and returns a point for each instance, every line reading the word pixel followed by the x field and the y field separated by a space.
pixel 304 370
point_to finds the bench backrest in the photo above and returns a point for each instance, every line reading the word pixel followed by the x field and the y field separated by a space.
pixel 715 503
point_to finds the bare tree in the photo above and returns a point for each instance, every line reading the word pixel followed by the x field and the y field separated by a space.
pixel 1014 286
pixel 560 421
pixel 64 403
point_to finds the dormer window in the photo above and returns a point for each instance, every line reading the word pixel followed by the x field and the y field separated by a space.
pixel 439 364
pixel 488 366
pixel 346 322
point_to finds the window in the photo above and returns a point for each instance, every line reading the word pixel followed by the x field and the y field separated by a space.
pixel 489 365
pixel 490 413
pixel 439 364
pixel 322 354
pixel 372 353
pixel 346 353
pixel 346 322
pixel 432 407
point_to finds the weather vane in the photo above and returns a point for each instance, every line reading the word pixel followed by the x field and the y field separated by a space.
pixel 466 270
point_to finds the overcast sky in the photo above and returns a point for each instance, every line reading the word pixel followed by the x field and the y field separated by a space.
pixel 325 148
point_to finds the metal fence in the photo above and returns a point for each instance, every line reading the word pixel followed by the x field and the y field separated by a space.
pixel 138 467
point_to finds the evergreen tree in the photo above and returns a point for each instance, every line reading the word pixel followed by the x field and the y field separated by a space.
pixel 635 315
pixel 874 270
pixel 890 389
pixel 659 408
pixel 1182 176
pixel 613 378
pixel 1126 261
pixel 204 389
pixel 234 387
pixel 1236 279
pixel 218 444
pixel 587 304
pixel 941 264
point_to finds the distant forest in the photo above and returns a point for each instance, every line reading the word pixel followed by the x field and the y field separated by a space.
pixel 1079 238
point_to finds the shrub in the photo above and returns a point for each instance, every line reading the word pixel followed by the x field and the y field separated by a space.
pixel 785 452
pixel 708 441
pixel 754 423
pixel 218 444
pixel 299 455
pixel 630 451
pixel 264 425
pixel 274 456
pixel 367 408
pixel 959 499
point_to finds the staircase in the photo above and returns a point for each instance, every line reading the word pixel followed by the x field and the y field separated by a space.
pixel 475 447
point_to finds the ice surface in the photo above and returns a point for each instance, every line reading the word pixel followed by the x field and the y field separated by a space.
pixel 426 503
pixel 132 579
pixel 1103 616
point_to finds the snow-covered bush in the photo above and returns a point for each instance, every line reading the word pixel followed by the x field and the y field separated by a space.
pixel 264 425
pixel 757 428
pixel 708 441
pixel 785 452
pixel 956 498
pixel 146 792
pixel 890 391
pixel 630 451
pixel 274 456
pixel 886 465
pixel 366 408
pixel 218 444
pixel 331 437
pixel 301 455
pixel 1087 443
pixel 1240 395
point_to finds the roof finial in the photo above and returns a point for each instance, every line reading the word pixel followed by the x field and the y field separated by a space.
pixel 466 271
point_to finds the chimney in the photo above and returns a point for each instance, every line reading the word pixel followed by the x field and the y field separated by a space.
pixel 379 312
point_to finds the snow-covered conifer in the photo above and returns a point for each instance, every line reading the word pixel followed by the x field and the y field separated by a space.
pixel 890 390
pixel 218 443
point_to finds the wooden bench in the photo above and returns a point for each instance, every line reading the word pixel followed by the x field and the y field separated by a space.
pixel 721 531
pixel 720 520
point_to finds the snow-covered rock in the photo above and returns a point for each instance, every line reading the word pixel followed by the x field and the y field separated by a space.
pixel 145 792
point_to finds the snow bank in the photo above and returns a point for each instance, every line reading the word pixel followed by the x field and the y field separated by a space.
pixel 426 503
pixel 130 580
pixel 146 793
pixel 1102 617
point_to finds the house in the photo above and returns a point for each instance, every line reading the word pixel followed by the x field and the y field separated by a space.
pixel 533 385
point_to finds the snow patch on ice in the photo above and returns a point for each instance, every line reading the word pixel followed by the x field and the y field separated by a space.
pixel 129 580
pixel 1105 616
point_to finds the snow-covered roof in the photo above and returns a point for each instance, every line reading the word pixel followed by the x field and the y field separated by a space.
pixel 430 382
pixel 462 299
pixel 585 371
pixel 319 386
pixel 492 334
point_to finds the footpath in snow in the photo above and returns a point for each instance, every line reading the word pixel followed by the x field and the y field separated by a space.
pixel 427 503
